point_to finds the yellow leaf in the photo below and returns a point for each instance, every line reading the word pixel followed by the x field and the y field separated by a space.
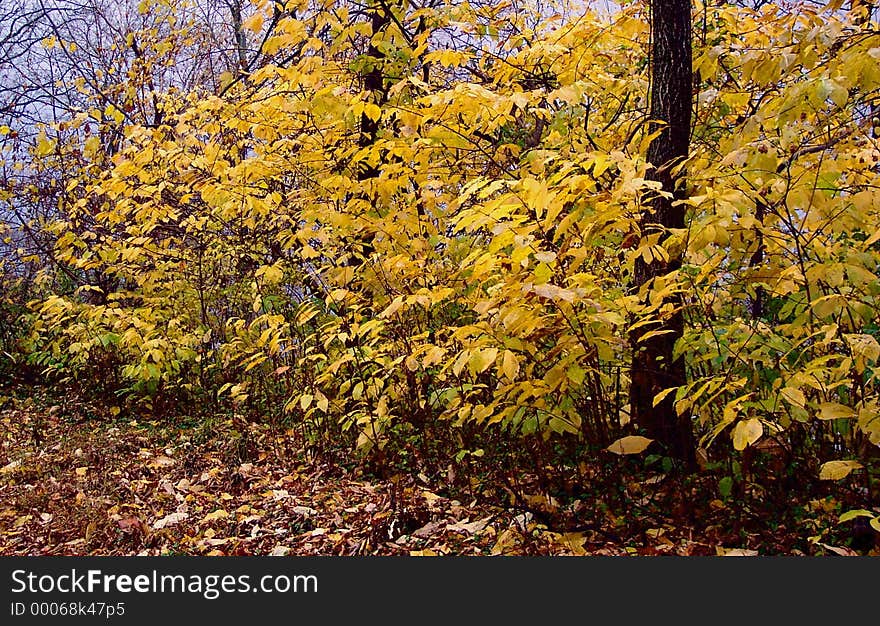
pixel 372 111
pixel 392 308
pixel 45 146
pixel 851 515
pixel 480 360
pixel 272 274
pixel 81 471
pixel 828 305
pixel 746 433
pixel 216 515
pixel 460 362
pixel 510 365
pixel 114 113
pixel 305 401
pixel 651 334
pixel 632 444
pixel 833 411
pixel 835 470
pixel 553 292
pixel 254 23
pixel 364 442
pixel 574 542
pixel 863 346
pixel 869 423
pixel 321 401
pixel 794 396
pixel 662 395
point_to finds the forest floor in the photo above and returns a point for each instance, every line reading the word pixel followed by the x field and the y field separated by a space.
pixel 74 481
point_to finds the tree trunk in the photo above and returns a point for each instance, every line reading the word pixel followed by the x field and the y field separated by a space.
pixel 653 366
pixel 234 7
pixel 374 85
pixel 376 92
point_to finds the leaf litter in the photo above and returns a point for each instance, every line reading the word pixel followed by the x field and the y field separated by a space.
pixel 123 487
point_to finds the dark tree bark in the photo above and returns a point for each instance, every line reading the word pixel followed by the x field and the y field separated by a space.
pixel 377 93
pixel 653 366
pixel 374 84
pixel 757 305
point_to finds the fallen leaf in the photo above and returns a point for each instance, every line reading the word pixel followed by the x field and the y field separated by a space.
pixel 838 551
pixel 214 516
pixel 161 461
pixel 305 511
pixel 740 552
pixel 129 524
pixel 170 520
pixel 10 467
pixel 574 542
pixel 469 528
pixel 427 530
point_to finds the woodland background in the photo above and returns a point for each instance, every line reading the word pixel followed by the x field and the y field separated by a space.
pixel 439 277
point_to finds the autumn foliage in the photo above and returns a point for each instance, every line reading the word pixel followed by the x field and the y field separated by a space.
pixel 466 310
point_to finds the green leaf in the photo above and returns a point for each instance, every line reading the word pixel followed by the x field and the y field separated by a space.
pixel 850 515
pixel 725 486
